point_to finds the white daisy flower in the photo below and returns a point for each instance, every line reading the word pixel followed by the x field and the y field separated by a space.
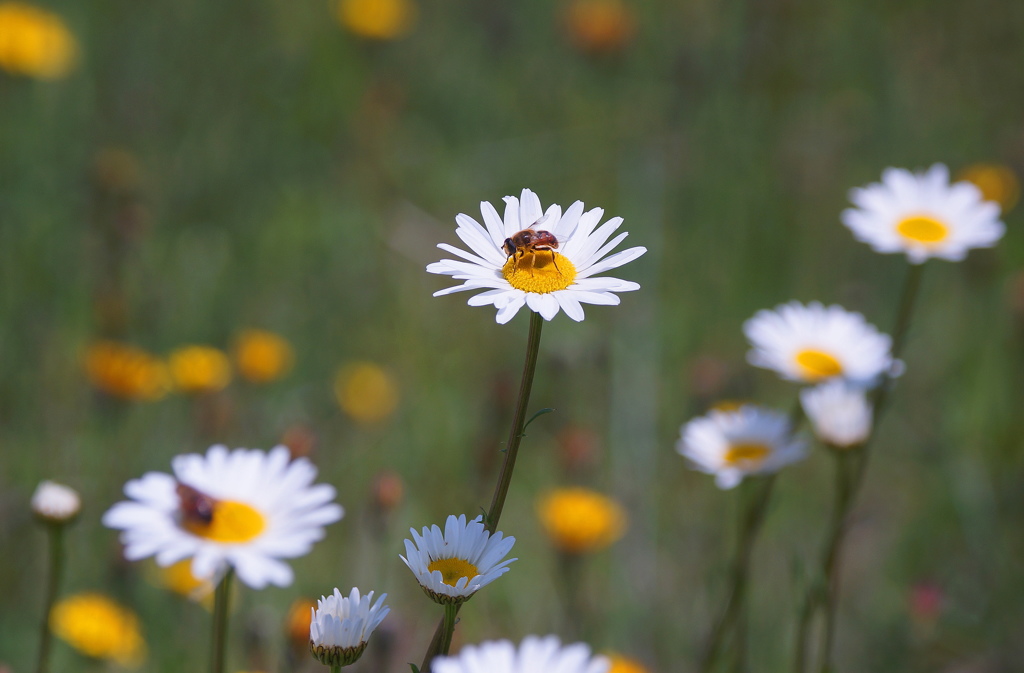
pixel 812 343
pixel 839 411
pixel 554 270
pixel 534 655
pixel 242 508
pixel 55 503
pixel 734 444
pixel 923 215
pixel 341 626
pixel 452 566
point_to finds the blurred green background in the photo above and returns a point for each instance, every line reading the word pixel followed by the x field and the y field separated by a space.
pixel 206 167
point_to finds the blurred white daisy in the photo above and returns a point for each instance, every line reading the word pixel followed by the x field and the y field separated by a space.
pixel 55 503
pixel 923 215
pixel 544 275
pixel 840 413
pixel 734 444
pixel 534 655
pixel 812 343
pixel 451 566
pixel 341 626
pixel 242 508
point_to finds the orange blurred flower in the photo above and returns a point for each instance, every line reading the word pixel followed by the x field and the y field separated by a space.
pixel 621 664
pixel 199 369
pixel 599 26
pixel 261 356
pixel 100 628
pixel 997 183
pixel 366 392
pixel 297 623
pixel 35 42
pixel 125 371
pixel 579 521
pixel 377 19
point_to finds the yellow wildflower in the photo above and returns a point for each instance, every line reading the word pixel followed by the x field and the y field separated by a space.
pixel 366 392
pixel 261 356
pixel 621 664
pixel 300 614
pixel 100 628
pixel 997 183
pixel 125 371
pixel 377 19
pixel 199 369
pixel 35 42
pixel 599 26
pixel 178 578
pixel 579 520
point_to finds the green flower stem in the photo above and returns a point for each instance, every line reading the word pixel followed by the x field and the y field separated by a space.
pixel 451 613
pixel 570 575
pixel 751 519
pixel 336 669
pixel 221 598
pixel 515 436
pixel 53 577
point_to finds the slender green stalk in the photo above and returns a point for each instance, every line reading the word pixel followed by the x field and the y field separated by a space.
pixel 221 598
pixel 335 669
pixel 751 519
pixel 570 574
pixel 515 436
pixel 53 577
pixel 451 614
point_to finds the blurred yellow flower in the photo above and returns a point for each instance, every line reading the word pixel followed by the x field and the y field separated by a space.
pixel 621 664
pixel 199 369
pixel 579 520
pixel 300 614
pixel 366 392
pixel 997 183
pixel 261 356
pixel 178 578
pixel 377 19
pixel 125 371
pixel 599 26
pixel 35 42
pixel 100 628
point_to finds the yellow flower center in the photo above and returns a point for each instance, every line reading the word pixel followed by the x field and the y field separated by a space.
pixel 817 365
pixel 539 271
pixel 453 569
pixel 231 522
pixel 922 229
pixel 747 455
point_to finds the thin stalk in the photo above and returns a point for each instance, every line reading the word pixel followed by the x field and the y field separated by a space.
pixel 570 573
pixel 53 576
pixel 221 598
pixel 751 520
pixel 451 613
pixel 335 669
pixel 515 436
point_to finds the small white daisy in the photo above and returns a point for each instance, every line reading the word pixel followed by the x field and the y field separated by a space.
pixel 923 215
pixel 839 411
pixel 534 655
pixel 242 508
pixel 734 444
pixel 341 626
pixel 55 503
pixel 452 566
pixel 548 277
pixel 812 343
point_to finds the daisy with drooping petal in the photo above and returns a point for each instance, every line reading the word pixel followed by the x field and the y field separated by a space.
pixel 840 413
pixel 923 215
pixel 734 444
pixel 453 565
pixel 547 277
pixel 812 343
pixel 242 508
pixel 534 655
pixel 341 626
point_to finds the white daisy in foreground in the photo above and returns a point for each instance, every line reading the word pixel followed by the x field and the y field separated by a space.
pixel 453 565
pixel 534 655
pixel 840 413
pixel 734 444
pixel 341 626
pixel 812 343
pixel 55 503
pixel 242 508
pixel 923 215
pixel 545 260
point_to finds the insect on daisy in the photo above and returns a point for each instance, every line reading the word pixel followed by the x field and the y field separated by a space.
pixel 242 508
pixel 734 444
pixel 453 565
pixel 813 343
pixel 546 260
pixel 923 215
pixel 534 654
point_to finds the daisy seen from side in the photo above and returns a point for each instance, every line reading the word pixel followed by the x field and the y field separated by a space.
pixel 923 215
pixel 240 508
pixel 454 564
pixel 515 271
pixel 534 654
pixel 340 626
pixel 812 343
pixel 734 444
pixel 840 413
